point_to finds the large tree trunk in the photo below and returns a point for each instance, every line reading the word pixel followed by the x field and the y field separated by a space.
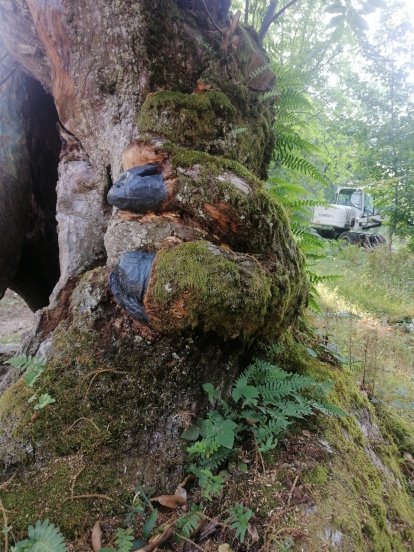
pixel 168 281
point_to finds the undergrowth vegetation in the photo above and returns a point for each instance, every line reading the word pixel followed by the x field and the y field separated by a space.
pixel 377 282
pixel 367 315
pixel 264 401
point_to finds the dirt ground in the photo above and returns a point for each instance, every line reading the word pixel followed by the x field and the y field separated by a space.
pixel 15 319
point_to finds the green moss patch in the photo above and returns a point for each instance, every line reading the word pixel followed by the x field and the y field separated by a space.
pixel 220 291
pixel 209 122
pixel 67 492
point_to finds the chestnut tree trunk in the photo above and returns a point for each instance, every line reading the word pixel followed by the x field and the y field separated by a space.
pixel 135 136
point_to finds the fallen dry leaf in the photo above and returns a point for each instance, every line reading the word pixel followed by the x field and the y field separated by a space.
pixel 170 501
pixel 96 537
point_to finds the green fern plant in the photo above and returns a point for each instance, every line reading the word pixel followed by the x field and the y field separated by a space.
pixel 265 400
pixel 43 537
pixel 188 522
pixel 295 169
pixel 239 520
pixel 123 541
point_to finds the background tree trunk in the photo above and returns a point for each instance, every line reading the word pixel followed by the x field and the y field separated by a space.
pixel 171 90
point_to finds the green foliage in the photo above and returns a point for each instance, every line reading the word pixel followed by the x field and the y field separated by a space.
pixel 264 401
pixel 293 196
pixel 211 485
pixel 188 522
pixel 149 524
pixel 33 368
pixel 239 519
pixel 124 540
pixel 293 152
pixel 43 537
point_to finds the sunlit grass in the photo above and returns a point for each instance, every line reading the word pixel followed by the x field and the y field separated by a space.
pixel 373 290
pixel 373 281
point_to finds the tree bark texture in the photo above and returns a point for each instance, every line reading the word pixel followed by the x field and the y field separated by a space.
pixel 164 283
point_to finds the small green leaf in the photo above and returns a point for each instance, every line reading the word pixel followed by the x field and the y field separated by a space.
pixel 19 361
pixel 32 398
pixel 124 539
pixel 356 21
pixel 149 524
pixel 336 8
pixel 335 37
pixel 44 400
pixel 226 435
pixel 191 433
pixel 243 390
pixel 240 517
pixel 212 392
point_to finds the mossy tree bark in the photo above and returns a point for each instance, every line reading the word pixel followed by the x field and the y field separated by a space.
pixel 170 92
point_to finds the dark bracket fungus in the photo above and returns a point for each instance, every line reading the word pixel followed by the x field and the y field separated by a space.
pixel 129 281
pixel 140 189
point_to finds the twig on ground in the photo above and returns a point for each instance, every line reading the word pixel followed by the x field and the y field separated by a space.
pixel 291 491
pixel 97 373
pixel 88 496
pixel 74 479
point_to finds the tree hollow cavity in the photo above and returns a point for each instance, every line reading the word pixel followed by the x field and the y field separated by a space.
pixel 35 168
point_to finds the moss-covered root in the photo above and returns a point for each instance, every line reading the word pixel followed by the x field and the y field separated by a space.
pixel 198 284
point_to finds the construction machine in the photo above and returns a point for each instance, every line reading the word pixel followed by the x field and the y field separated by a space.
pixel 349 219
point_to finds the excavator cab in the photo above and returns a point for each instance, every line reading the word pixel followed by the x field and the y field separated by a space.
pixel 357 198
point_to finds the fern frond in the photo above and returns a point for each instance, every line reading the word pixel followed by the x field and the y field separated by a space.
pixel 329 409
pixel 259 70
pixel 124 540
pixel 189 522
pixel 268 95
pixel 287 141
pixel 43 537
pixel 319 278
pixel 294 100
pixel 301 165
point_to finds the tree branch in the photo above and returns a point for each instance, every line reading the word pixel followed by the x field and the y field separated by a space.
pixel 268 18
pixel 275 17
pixel 211 17
pixel 246 12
